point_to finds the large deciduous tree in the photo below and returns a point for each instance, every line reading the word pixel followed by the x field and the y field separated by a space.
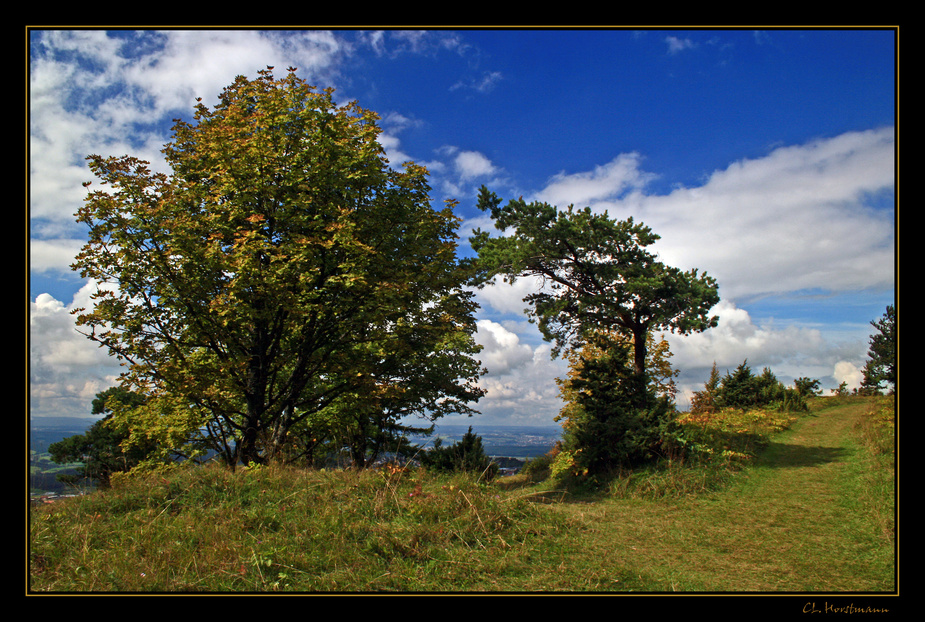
pixel 276 270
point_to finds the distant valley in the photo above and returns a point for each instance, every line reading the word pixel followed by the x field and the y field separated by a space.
pixel 500 440
pixel 519 442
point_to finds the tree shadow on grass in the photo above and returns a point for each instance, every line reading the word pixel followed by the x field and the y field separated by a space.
pixel 538 490
pixel 784 456
pixel 774 455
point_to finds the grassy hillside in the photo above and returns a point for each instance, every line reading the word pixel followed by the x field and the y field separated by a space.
pixel 771 504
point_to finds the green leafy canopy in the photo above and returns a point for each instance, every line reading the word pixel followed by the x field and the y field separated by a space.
pixel 596 274
pixel 266 277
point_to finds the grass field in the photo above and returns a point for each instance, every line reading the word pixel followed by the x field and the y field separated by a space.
pixel 770 504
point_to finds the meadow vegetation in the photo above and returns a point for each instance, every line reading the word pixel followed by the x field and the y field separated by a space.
pixel 411 529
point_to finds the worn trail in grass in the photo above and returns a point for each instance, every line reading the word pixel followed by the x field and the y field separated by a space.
pixel 790 523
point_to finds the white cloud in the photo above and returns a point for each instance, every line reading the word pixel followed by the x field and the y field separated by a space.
pixel 483 84
pixel 394 43
pixel 393 151
pixel 472 164
pixel 200 63
pixel 375 40
pixel 45 255
pixel 605 182
pixel 502 350
pixel 789 350
pixel 736 338
pixel 520 384
pixel 849 373
pixel 507 298
pixel 76 111
pixel 67 370
pixel 460 170
pixel 676 44
pixel 797 219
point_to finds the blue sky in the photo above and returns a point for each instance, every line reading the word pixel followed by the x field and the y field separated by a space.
pixel 764 157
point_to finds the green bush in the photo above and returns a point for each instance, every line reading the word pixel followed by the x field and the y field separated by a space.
pixel 614 418
pixel 744 390
pixel 538 469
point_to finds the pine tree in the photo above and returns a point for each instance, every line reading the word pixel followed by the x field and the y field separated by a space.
pixel 467 454
pixel 706 401
pixel 605 423
pixel 881 366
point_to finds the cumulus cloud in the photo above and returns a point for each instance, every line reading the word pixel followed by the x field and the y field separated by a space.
pixel 737 338
pixel 467 165
pixel 803 218
pixel 789 350
pixel 472 164
pixel 131 85
pixel 66 370
pixel 462 170
pixel 849 373
pixel 520 384
pixel 200 63
pixel 799 218
pixel 507 298
pixel 53 255
pixel 502 350
pixel 604 182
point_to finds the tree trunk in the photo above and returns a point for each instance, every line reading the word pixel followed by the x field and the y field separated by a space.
pixel 255 395
pixel 640 390
pixel 280 432
pixel 640 335
pixel 247 449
